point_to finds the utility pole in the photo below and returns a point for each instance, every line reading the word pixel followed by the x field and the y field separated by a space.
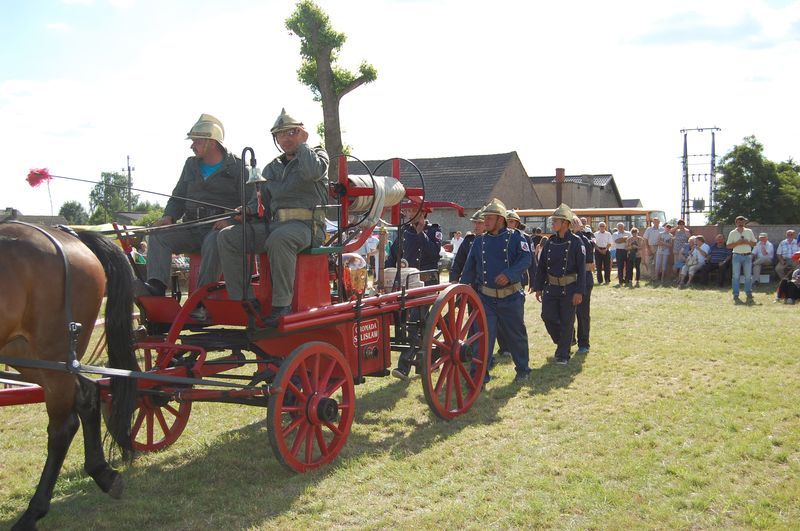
pixel 699 205
pixel 130 184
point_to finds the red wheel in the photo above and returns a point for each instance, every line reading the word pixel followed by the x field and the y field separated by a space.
pixel 310 418
pixel 157 421
pixel 456 351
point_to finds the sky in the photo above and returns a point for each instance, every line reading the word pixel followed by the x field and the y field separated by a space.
pixel 593 87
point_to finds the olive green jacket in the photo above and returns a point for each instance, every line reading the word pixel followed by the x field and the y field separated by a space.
pixel 298 183
pixel 223 187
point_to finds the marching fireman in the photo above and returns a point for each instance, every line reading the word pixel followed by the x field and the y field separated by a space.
pixel 495 265
pixel 560 282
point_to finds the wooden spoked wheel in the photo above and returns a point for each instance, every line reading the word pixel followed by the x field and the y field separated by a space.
pixel 310 417
pixel 157 421
pixel 455 351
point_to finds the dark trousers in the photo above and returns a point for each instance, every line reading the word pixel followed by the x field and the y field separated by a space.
pixel 506 318
pixel 603 263
pixel 558 315
pixel 724 269
pixel 582 314
pixel 634 262
pixel 622 264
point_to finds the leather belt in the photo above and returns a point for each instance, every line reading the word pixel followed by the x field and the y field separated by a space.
pixel 566 280
pixel 288 214
pixel 192 214
pixel 501 293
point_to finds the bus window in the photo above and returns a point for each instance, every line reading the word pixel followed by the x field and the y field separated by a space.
pixel 613 220
pixel 595 221
pixel 639 222
pixel 534 222
pixel 660 215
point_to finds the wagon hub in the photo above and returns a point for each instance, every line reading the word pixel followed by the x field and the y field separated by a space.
pixel 327 410
pixel 466 351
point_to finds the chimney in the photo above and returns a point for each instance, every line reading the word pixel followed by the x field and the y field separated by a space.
pixel 559 185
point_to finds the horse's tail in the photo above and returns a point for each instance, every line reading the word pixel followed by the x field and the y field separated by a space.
pixel 119 334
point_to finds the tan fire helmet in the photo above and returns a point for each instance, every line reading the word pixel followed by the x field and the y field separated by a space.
pixel 513 215
pixel 207 127
pixel 495 207
pixel 477 216
pixel 284 123
pixel 563 212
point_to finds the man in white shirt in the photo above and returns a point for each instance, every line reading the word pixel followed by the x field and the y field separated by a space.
pixel 456 241
pixel 602 253
pixel 741 241
pixel 369 251
pixel 651 239
pixel 620 244
pixel 785 251
pixel 763 253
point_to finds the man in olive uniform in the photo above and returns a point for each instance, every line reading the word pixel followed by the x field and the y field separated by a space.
pixel 422 242
pixel 463 250
pixel 213 176
pixel 296 184
pixel 560 282
pixel 494 266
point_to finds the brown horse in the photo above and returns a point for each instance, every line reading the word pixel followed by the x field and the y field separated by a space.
pixel 33 327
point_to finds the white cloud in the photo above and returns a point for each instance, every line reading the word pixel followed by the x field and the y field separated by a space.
pixel 566 85
pixel 58 26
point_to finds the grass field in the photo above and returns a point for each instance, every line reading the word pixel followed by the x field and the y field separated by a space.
pixel 685 414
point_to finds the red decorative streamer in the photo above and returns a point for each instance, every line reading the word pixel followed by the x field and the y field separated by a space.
pixel 37 177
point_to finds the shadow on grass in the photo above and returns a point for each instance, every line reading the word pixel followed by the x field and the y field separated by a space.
pixel 550 375
pixel 237 482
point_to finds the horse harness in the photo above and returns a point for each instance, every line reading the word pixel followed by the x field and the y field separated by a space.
pixel 73 328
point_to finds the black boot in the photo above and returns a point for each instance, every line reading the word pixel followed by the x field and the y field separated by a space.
pixel 403 368
pixel 271 320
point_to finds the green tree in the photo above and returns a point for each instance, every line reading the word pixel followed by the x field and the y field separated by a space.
pixel 329 82
pixel 153 214
pixel 753 186
pixel 74 213
pixel 109 196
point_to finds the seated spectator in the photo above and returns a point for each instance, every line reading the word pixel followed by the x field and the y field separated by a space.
pixel 789 289
pixel 681 254
pixel 786 249
pixel 763 253
pixel 695 260
pixel 636 245
pixel 719 259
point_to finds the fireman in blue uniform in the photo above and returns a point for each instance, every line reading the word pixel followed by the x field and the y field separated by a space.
pixel 422 241
pixel 582 315
pixel 494 266
pixel 560 282
pixel 466 245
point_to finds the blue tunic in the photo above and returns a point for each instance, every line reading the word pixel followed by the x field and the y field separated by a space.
pixel 509 253
pixel 561 257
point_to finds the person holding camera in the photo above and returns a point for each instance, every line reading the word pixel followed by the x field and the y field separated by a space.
pixel 741 241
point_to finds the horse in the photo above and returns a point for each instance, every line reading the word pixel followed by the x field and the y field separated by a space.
pixel 47 275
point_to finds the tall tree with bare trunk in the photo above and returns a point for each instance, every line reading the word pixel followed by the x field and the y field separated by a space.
pixel 329 82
